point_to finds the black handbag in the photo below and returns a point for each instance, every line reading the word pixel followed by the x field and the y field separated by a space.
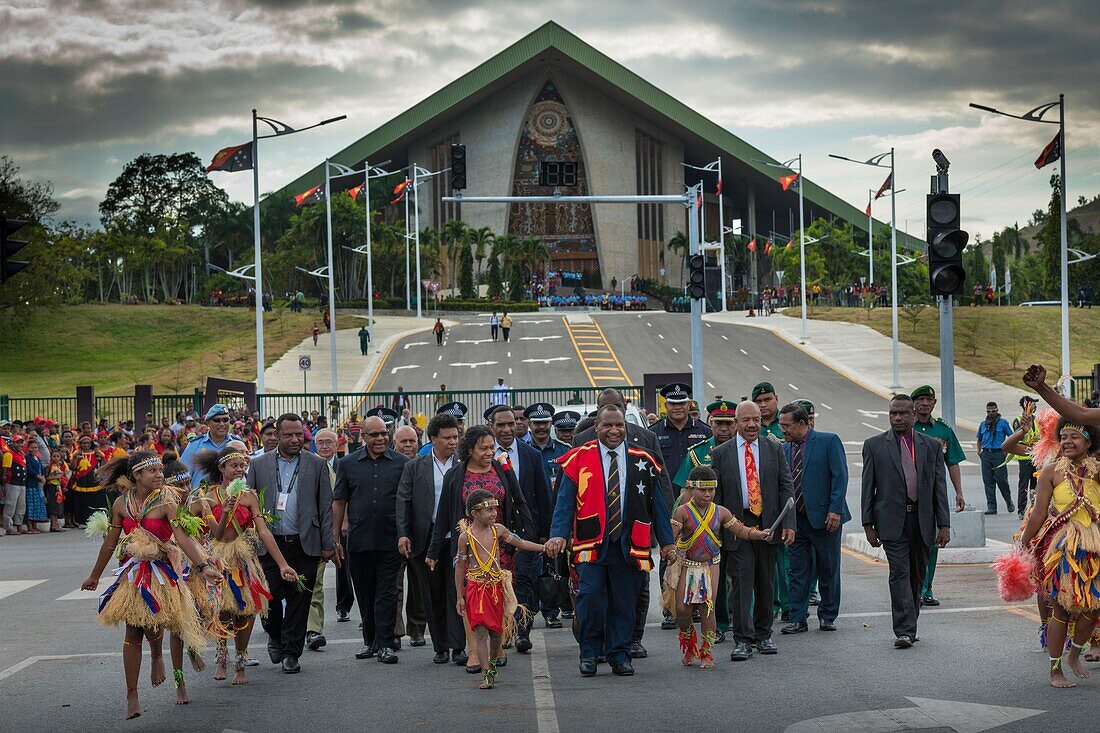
pixel 553 583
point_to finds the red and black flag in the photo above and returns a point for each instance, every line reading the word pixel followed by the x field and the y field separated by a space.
pixel 768 247
pixel 887 185
pixel 787 181
pixel 232 159
pixel 400 190
pixel 1051 152
pixel 718 188
pixel 354 192
pixel 312 196
pixel 752 245
pixel 867 211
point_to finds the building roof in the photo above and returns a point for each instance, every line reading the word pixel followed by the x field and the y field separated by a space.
pixel 515 60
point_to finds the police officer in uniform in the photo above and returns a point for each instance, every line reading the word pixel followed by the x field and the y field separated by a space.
pixel 763 394
pixel 924 401
pixel 676 432
pixel 458 411
pixel 565 425
pixel 539 418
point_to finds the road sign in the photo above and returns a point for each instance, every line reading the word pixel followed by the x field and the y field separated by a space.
pixel 304 363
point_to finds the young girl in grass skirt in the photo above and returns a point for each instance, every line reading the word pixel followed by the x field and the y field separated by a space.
pixel 485 594
pixel 148 595
pixel 1064 533
pixel 237 525
pixel 691 581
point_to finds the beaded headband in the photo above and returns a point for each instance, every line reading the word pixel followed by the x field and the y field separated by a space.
pixel 707 484
pixel 1079 428
pixel 487 504
pixel 150 462
pixel 230 456
pixel 179 478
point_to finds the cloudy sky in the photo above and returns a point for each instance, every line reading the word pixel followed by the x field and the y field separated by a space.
pixel 87 85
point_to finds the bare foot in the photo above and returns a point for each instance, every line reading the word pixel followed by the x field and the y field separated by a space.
pixel 239 678
pixel 181 694
pixel 707 664
pixel 156 670
pixel 1073 659
pixel 1057 679
pixel 197 662
pixel 219 671
pixel 1092 655
pixel 133 706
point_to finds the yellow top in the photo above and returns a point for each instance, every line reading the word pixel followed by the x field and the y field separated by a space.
pixel 1064 495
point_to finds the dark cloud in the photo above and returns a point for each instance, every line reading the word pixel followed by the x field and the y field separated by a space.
pixel 353 20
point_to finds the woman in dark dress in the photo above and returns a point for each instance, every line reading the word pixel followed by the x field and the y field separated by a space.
pixel 477 468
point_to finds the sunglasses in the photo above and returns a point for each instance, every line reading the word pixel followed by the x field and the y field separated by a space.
pixel 376 434
pixel 219 419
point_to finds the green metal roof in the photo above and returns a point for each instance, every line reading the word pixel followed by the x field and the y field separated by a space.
pixel 548 36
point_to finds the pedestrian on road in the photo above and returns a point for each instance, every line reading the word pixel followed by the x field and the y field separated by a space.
pixel 366 491
pixel 302 504
pixel 364 340
pixel 316 333
pixel 904 501
pixel 494 326
pixel 611 553
pixel 506 325
pixel 327 321
pixel 325 443
pixel 417 501
pixel 754 482
pixel 1026 486
pixel 439 331
pixel 991 436
pixel 819 477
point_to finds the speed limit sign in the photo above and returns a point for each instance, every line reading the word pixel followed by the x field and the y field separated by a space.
pixel 304 363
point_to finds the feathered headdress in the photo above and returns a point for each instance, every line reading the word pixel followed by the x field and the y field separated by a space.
pixel 1048 447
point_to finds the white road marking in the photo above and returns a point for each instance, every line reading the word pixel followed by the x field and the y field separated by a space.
pixel 434 374
pixel 826 406
pixel 396 369
pixel 725 337
pixel 440 358
pixel 660 335
pixel 537 338
pixel 876 428
pixel 709 384
pixel 415 343
pixel 473 341
pixel 872 414
pixel 541 320
pixel 509 354
pixel 474 364
pixel 19 666
pixel 84 595
pixel 766 368
pixel 545 709
pixel 547 361
pixel 928 713
pixel 509 371
pixel 11 587
pixel 792 387
pixel 649 324
pixel 707 324
pixel 675 350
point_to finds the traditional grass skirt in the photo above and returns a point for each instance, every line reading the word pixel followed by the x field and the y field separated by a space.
pixel 697 582
pixel 148 594
pixel 244 591
pixel 493 604
pixel 1071 567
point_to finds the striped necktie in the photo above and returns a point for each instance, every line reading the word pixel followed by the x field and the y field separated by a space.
pixel 796 475
pixel 614 505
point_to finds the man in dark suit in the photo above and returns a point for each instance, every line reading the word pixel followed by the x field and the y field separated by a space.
pixel 528 466
pixel 609 505
pixel 637 436
pixel 417 498
pixel 366 490
pixel 904 501
pixel 754 482
pixel 819 475
pixel 299 493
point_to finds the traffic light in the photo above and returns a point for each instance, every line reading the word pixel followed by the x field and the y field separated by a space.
pixel 458 167
pixel 945 245
pixel 697 277
pixel 8 247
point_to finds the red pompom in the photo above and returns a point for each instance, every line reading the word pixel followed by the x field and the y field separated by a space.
pixel 1015 575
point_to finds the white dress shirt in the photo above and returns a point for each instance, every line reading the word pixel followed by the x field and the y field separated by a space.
pixel 440 470
pixel 620 459
pixel 741 464
pixel 513 456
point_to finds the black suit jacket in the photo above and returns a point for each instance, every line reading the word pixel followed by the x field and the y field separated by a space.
pixel 775 485
pixel 517 517
pixel 640 437
pixel 536 492
pixel 416 503
pixel 884 497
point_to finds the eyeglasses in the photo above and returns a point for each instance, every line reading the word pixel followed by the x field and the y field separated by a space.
pixel 325 442
pixel 219 419
pixel 376 434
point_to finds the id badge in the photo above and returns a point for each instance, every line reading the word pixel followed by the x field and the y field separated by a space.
pixel 280 502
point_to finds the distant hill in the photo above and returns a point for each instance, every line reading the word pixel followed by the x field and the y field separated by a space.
pixel 1087 216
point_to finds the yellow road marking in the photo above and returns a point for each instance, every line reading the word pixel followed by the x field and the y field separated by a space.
pixel 580 356
pixel 859 556
pixel 377 371
pixel 1024 612
pixel 626 379
pixel 591 345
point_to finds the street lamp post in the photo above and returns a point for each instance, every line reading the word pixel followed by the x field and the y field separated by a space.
pixel 419 173
pixel 870 239
pixel 279 129
pixel 369 172
pixel 1036 115
pixel 876 162
pixel 801 235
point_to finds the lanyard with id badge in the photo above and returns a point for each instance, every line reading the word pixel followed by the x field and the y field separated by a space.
pixel 280 501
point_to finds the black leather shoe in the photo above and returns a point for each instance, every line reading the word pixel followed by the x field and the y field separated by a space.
pixel 622 669
pixel 1011 508
pixel 903 642
pixel 417 641
pixel 795 627
pixel 501 661
pixel 767 646
pixel 815 599
pixel 827 625
pixel 523 645
pixel 588 668
pixel 553 623
pixel 387 656
pixel 274 653
pixel 473 669
pixel 290 664
pixel 636 650
pixel 441 657
pixel 929 600
pixel 720 637
pixel 397 644
pixel 668 623
pixel 567 615
pixel 785 616
pixel 366 652
pixel 459 657
pixel 342 616
pixel 315 641
pixel 741 652
pixel 988 512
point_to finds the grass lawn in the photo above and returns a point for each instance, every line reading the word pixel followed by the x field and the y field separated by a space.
pixel 996 342
pixel 113 347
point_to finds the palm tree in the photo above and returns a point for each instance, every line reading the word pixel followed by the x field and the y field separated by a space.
pixel 679 243
pixel 452 235
pixel 482 240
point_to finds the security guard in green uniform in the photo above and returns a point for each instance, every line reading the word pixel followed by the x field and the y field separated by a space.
pixel 767 400
pixel 924 401
pixel 724 426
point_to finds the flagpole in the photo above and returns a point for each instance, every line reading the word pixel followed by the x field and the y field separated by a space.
pixel 721 237
pixel 331 279
pixel 258 270
pixel 870 240
pixel 802 249
pixel 1064 245
pixel 703 235
pixel 370 254
pixel 416 230
pixel 408 290
pixel 894 270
